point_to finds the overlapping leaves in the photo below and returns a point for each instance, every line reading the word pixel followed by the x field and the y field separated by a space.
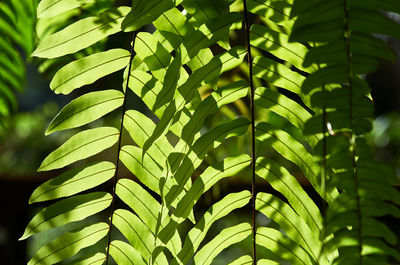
pixel 177 71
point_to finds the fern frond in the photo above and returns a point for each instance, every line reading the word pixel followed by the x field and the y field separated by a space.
pixel 351 215
pixel 16 27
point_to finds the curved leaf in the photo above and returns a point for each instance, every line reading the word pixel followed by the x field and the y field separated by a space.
pixel 89 69
pixel 74 181
pixel 85 109
pixel 282 246
pixel 66 211
pixel 199 231
pixel 81 34
pixel 227 237
pixel 69 244
pixel 51 8
pixel 82 145
pixel 123 253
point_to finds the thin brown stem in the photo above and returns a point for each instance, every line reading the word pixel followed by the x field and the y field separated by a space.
pixel 253 140
pixel 347 33
pixel 115 178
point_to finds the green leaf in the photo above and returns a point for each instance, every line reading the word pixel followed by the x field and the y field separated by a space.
pixel 144 167
pixel 201 76
pixel 244 260
pixel 290 222
pixel 146 87
pixel 207 9
pixel 171 79
pixel 200 148
pixel 138 234
pixel 226 238
pixel 74 181
pixel 228 167
pixel 210 105
pixel 389 5
pixel 66 211
pixel 267 262
pixel 272 100
pixel 151 51
pixel 86 109
pixel 81 34
pixel 279 75
pixel 282 246
pixel 366 21
pixel 281 180
pixel 140 127
pixel 174 27
pixel 292 150
pixel 276 12
pixel 97 259
pixel 51 8
pixel 215 212
pixel 80 146
pixel 123 253
pixel 145 12
pixel 89 69
pixel 69 244
pixel 279 45
pixel 147 209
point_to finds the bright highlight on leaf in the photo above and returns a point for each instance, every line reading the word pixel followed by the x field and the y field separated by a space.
pixel 89 69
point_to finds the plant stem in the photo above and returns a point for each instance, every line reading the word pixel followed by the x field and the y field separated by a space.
pixel 253 140
pixel 347 36
pixel 119 149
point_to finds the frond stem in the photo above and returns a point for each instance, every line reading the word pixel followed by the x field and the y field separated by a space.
pixel 253 140
pixel 110 224
pixel 347 36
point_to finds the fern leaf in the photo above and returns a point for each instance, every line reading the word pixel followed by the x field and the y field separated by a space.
pixel 203 15
pixel 16 28
pixel 96 259
pixel 66 211
pixel 201 76
pixel 146 12
pixel 123 253
pixel 89 69
pixel 294 151
pixel 152 52
pixel 283 246
pixel 271 100
pixel 244 260
pixel 86 109
pixel 351 215
pixel 69 244
pixel 145 167
pixel 51 8
pixel 202 146
pixel 280 75
pixel 138 234
pixel 199 231
pixel 147 209
pixel 74 181
pixel 81 34
pixel 210 105
pixel 226 168
pixel 266 262
pixel 278 44
pixel 227 237
pixel 281 180
pixel 290 221
pixel 80 146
